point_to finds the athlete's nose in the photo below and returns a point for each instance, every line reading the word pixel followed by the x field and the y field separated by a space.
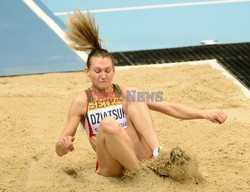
pixel 103 75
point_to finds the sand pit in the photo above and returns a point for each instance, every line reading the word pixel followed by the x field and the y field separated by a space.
pixel 33 111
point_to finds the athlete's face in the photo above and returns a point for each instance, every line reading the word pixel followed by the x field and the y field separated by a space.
pixel 101 72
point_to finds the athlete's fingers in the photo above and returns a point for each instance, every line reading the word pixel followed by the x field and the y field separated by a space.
pixel 67 143
pixel 222 117
pixel 63 144
pixel 71 147
pixel 219 117
pixel 70 140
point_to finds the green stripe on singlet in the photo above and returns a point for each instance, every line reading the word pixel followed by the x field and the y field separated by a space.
pixel 118 90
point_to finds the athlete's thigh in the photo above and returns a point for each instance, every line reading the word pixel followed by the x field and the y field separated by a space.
pixel 107 165
pixel 141 147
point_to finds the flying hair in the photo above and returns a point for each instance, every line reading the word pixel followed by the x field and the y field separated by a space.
pixel 82 32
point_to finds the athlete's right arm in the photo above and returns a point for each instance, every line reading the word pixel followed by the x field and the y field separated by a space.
pixel 77 111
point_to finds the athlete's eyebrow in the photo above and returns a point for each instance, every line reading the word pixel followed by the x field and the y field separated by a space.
pixel 99 68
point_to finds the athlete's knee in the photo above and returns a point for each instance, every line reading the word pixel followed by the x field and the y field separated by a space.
pixel 109 126
pixel 107 121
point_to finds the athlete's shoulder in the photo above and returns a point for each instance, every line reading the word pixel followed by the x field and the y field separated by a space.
pixel 79 103
pixel 81 99
pixel 125 89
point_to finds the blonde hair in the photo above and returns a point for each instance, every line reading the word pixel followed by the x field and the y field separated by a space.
pixel 83 35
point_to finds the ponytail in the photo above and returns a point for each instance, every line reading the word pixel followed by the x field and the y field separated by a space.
pixel 82 32
pixel 83 35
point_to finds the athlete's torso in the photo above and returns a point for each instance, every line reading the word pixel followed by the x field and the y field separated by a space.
pixel 98 108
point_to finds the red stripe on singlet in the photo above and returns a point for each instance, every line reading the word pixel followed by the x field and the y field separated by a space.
pixel 89 126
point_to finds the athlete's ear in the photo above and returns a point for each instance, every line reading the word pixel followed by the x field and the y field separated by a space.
pixel 86 71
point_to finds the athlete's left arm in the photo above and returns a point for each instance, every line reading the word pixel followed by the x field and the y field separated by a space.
pixel 184 112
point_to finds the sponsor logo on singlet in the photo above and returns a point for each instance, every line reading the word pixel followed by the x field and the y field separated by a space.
pixel 98 110
pixel 104 103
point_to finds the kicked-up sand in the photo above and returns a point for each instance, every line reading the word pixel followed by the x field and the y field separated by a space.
pixel 33 111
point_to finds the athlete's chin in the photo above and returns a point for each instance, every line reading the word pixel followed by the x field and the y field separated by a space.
pixel 103 85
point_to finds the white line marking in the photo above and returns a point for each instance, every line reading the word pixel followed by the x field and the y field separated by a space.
pixel 155 6
pixel 40 13
pixel 52 24
pixel 213 63
pixel 201 62
pixel 228 75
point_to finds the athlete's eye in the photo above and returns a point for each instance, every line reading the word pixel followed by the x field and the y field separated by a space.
pixel 97 71
pixel 108 71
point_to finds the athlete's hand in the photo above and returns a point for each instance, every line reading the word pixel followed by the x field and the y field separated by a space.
pixel 67 143
pixel 216 117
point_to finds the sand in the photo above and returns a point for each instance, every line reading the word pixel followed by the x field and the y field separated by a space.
pixel 33 111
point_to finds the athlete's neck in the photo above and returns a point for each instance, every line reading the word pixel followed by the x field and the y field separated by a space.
pixel 104 92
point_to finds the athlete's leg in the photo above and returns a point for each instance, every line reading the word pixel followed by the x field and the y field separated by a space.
pixel 114 149
pixel 139 114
